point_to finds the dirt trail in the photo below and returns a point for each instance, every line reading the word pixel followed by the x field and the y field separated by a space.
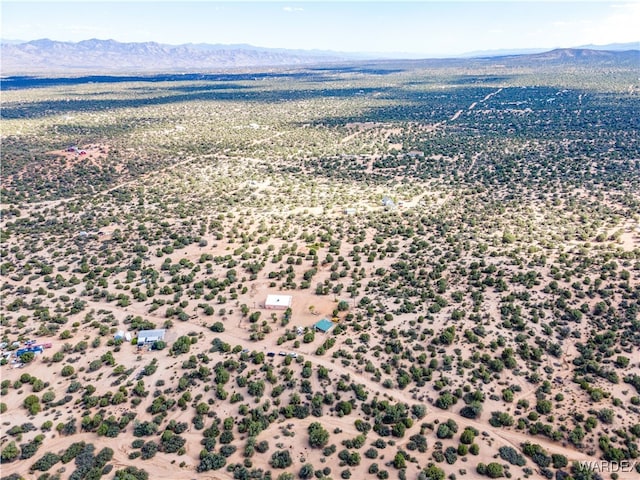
pixel 161 468
pixel 474 158
pixel 55 203
pixel 267 139
pixel 455 115
pixel 351 136
pixel 234 336
pixel 474 104
pixel 502 436
pixel 509 437
pixel 491 95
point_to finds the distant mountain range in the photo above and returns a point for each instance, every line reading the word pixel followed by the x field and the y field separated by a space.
pixel 611 47
pixel 564 54
pixel 109 56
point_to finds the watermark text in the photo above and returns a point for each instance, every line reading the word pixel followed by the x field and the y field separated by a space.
pixel 604 466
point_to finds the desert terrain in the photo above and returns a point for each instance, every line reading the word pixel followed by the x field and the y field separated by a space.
pixel 472 239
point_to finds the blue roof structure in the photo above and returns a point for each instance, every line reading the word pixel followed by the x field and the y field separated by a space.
pixel 324 325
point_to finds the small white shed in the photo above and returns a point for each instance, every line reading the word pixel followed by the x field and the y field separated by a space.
pixel 278 302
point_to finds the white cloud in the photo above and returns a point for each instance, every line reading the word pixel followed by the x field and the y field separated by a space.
pixel 620 26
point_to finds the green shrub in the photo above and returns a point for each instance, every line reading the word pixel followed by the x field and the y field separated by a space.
pixel 9 453
pixel 512 456
pixel 45 462
pixel 281 459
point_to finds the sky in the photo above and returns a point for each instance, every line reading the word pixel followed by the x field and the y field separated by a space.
pixel 425 27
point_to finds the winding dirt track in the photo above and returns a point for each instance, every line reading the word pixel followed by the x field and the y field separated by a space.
pixel 507 437
pixel 165 468
pixel 502 436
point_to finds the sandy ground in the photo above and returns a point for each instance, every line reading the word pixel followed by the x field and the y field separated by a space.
pixel 237 332
pixel 164 466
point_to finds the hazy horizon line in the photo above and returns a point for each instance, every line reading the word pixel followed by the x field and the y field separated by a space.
pixel 407 54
